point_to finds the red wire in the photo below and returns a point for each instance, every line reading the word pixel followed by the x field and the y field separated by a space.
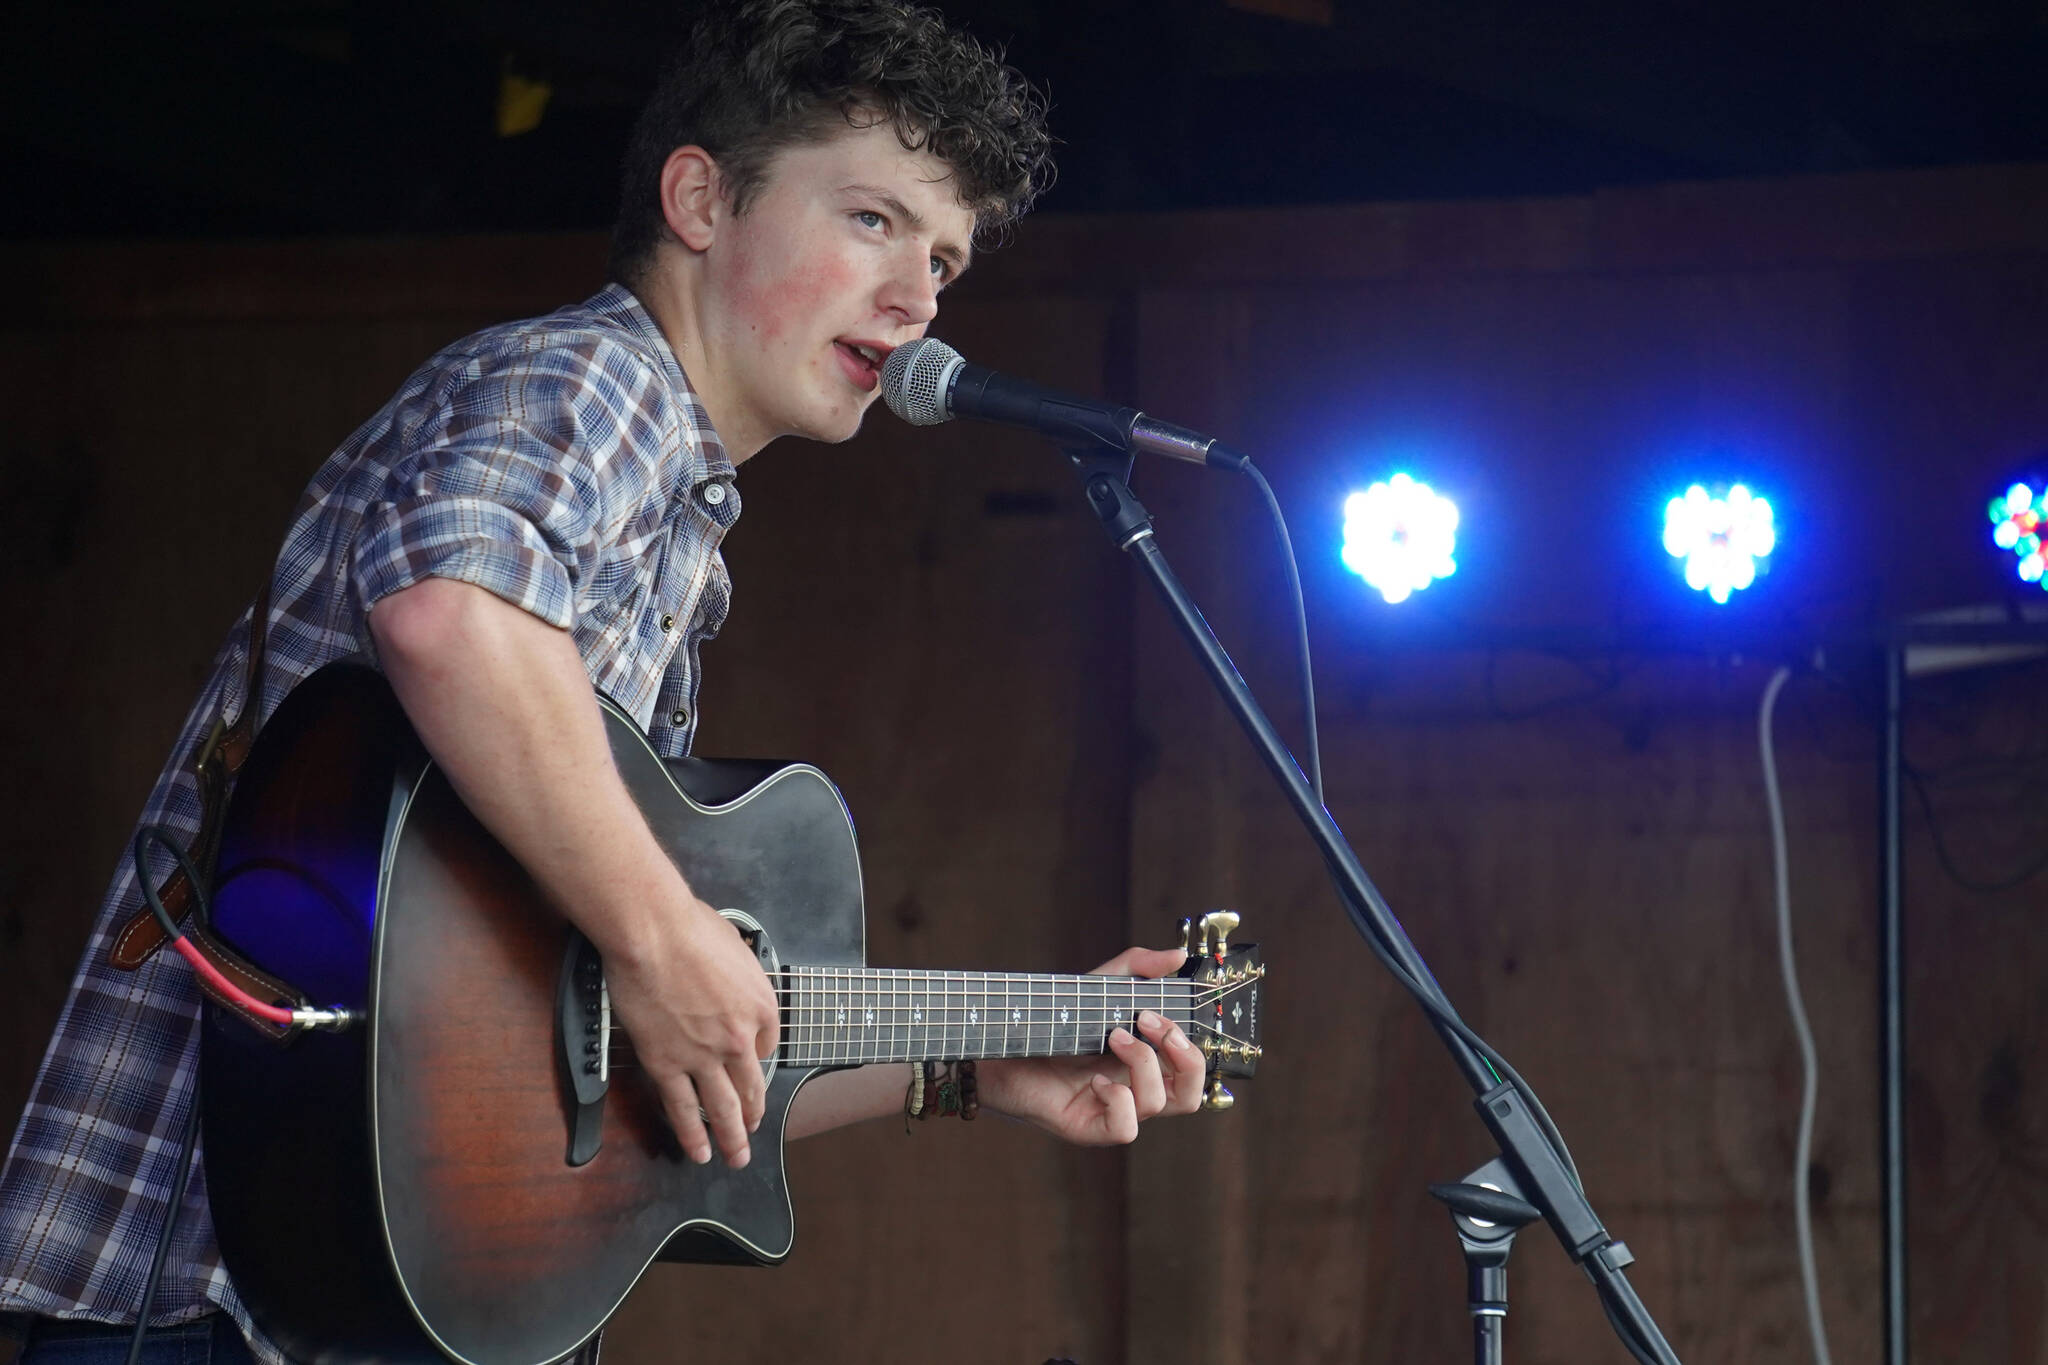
pixel 228 988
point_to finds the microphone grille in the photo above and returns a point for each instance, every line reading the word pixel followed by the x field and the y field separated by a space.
pixel 915 378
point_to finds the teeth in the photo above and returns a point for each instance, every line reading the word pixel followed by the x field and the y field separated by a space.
pixel 869 353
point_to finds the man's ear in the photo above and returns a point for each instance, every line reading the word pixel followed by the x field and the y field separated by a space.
pixel 692 199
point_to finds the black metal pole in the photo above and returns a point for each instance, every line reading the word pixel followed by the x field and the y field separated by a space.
pixel 1538 1164
pixel 1892 1009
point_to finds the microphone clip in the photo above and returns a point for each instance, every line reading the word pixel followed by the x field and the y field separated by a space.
pixel 1106 483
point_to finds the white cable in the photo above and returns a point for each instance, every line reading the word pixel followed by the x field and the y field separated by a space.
pixel 1801 1193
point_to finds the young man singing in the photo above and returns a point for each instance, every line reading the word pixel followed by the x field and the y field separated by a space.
pixel 536 512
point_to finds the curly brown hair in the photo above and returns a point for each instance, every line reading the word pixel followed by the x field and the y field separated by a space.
pixel 759 76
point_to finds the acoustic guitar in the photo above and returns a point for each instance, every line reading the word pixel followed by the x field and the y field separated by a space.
pixel 470 1173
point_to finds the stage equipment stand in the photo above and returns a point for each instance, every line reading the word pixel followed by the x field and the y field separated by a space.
pixel 1539 1168
pixel 1892 1009
pixel 1939 642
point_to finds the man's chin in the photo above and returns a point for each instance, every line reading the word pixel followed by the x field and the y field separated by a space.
pixel 838 428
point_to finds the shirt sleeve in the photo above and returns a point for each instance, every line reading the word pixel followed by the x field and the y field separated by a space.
pixel 518 475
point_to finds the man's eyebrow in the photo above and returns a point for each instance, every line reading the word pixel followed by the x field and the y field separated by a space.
pixel 956 256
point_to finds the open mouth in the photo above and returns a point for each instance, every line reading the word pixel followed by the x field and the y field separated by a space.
pixel 862 362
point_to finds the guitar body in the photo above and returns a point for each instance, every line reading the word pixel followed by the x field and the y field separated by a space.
pixel 403 1191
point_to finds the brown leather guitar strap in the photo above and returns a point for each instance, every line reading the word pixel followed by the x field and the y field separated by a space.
pixel 219 759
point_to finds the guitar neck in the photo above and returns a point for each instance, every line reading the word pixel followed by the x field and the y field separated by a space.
pixel 849 1016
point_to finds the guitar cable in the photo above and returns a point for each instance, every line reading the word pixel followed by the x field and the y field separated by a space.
pixel 283 1016
pixel 163 1238
pixel 190 1139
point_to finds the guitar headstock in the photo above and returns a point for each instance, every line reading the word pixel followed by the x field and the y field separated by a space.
pixel 1228 977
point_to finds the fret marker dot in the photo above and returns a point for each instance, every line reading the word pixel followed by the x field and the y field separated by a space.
pixel 1063 1016
pixel 974 1016
pixel 871 1016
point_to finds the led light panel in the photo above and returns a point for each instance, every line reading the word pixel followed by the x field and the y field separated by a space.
pixel 1722 537
pixel 1399 536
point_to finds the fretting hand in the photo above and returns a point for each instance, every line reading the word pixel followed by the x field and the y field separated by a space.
pixel 1100 1101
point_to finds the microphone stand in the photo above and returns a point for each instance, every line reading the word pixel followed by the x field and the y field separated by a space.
pixel 1540 1172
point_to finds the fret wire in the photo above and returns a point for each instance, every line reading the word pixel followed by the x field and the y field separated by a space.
pixel 830 1008
pixel 1051 1018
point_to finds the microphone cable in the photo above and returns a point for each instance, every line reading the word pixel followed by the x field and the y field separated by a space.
pixel 1308 679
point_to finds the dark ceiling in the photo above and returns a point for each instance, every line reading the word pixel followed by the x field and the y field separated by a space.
pixel 267 117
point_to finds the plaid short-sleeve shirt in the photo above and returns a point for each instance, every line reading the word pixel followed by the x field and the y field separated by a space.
pixel 562 463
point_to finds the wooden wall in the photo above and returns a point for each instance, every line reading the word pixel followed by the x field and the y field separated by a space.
pixel 1577 844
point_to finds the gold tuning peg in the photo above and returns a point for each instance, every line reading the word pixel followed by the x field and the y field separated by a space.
pixel 1219 925
pixel 1187 935
pixel 1217 1097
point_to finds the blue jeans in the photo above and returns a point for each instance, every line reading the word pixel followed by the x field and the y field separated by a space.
pixel 211 1340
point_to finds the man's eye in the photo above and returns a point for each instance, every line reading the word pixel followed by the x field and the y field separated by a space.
pixel 869 218
pixel 939 270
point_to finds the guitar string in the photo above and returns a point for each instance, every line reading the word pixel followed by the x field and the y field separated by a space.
pixel 623 1055
pixel 858 989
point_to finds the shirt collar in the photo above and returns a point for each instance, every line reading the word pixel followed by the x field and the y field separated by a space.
pixel 618 303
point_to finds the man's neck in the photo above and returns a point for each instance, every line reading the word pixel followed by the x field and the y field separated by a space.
pixel 668 290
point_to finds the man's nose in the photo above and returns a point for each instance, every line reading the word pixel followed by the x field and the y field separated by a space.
pixel 912 293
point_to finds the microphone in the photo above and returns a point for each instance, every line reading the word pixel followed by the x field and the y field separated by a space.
pixel 926 382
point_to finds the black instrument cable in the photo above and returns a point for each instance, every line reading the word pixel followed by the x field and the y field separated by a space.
pixel 190 1140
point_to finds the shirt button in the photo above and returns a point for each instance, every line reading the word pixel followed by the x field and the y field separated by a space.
pixel 714 493
pixel 679 717
pixel 667 622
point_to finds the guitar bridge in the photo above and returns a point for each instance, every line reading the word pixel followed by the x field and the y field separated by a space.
pixel 583 1014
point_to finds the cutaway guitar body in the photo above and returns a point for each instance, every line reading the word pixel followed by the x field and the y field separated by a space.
pixel 446 1199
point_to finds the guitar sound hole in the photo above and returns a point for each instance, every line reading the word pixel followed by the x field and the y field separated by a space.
pixel 756 936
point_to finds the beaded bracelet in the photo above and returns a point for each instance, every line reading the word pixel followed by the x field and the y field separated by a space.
pixel 932 1095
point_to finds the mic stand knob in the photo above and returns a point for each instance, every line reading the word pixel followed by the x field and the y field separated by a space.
pixel 1487 1210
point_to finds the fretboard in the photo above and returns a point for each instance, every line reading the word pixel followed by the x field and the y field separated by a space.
pixel 846 1016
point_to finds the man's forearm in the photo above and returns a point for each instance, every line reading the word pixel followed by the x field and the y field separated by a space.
pixel 502 702
pixel 842 1097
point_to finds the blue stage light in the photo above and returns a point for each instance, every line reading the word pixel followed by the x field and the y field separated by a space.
pixel 2016 525
pixel 1399 536
pixel 1722 537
